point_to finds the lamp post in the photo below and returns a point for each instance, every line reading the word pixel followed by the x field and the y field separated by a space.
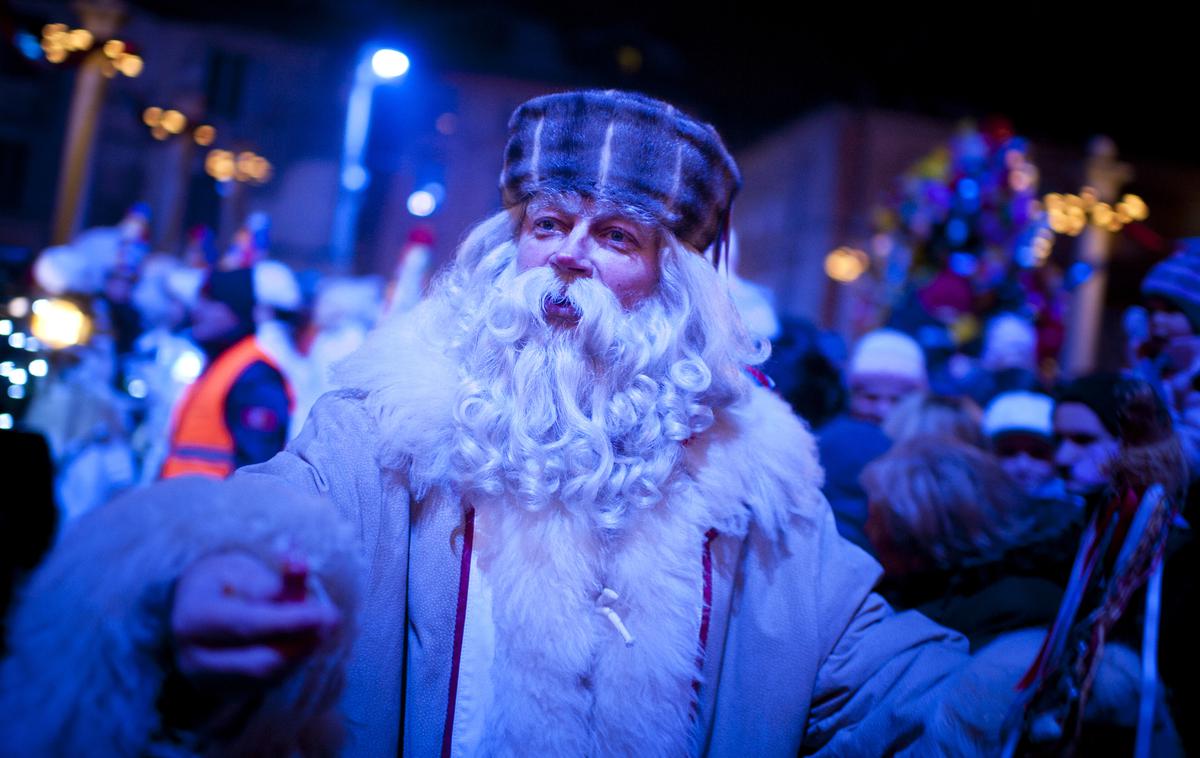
pixel 101 19
pixel 375 65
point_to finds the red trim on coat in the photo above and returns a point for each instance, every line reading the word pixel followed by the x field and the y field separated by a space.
pixel 460 617
pixel 705 614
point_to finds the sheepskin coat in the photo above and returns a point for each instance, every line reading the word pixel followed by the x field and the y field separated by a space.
pixel 483 629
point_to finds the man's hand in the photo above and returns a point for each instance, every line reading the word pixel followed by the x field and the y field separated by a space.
pixel 236 621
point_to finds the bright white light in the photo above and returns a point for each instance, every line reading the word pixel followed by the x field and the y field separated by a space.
pixel 6 421
pixel 421 203
pixel 354 178
pixel 16 391
pixel 18 307
pixel 32 344
pixel 186 368
pixel 137 388
pixel 18 376
pixel 389 64
pixel 5 327
pixel 6 368
pixel 38 305
pixel 17 340
pixel 39 367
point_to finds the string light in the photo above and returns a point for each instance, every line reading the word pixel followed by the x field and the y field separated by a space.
pixel 1071 214
pixel 59 42
pixel 846 264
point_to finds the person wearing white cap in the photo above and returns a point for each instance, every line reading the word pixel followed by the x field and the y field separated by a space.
pixel 1018 425
pixel 886 367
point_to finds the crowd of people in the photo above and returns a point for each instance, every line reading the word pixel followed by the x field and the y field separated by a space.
pixel 570 514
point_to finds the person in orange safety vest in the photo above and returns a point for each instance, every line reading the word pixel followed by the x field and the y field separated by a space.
pixel 237 412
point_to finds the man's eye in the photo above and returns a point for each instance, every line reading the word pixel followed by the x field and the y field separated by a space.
pixel 545 224
pixel 621 236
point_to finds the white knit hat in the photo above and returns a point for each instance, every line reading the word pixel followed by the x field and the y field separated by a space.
pixel 1019 411
pixel 888 352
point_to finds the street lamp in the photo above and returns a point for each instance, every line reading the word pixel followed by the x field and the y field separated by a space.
pixel 376 65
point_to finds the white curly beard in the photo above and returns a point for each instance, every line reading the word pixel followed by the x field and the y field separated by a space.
pixel 590 417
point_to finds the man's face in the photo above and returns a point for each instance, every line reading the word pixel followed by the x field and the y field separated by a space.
pixel 1166 320
pixel 872 396
pixel 212 319
pixel 1027 459
pixel 1085 448
pixel 581 239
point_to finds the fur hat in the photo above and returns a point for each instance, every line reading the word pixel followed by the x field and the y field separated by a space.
pixel 1028 412
pixel 626 147
pixel 888 352
pixel 1177 280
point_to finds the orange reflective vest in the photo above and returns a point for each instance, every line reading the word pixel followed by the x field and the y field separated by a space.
pixel 201 442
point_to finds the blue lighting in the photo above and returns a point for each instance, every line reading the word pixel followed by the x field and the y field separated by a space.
pixel 963 263
pixel 968 189
pixel 28 45
pixel 389 63
pixel 957 231
pixel 354 178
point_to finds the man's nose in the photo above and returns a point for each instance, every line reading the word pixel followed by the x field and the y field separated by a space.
pixel 1064 455
pixel 574 254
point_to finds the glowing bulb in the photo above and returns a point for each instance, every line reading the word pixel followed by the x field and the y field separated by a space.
pixel 113 48
pixel 1102 214
pixel 16 391
pixel 421 203
pixel 1135 207
pixel 19 307
pixel 59 323
pixel 6 368
pixel 137 388
pixel 845 264
pixel 130 65
pixel 186 368
pixel 389 63
pixel 18 376
pixel 204 135
pixel 6 421
pixel 17 340
pixel 174 121
pixel 38 367
pixel 5 328
pixel 80 39
pixel 152 116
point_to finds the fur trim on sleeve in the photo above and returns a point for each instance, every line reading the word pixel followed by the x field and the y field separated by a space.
pixel 758 463
pixel 90 641
pixel 410 386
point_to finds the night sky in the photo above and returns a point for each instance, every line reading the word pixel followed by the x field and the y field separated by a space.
pixel 1060 75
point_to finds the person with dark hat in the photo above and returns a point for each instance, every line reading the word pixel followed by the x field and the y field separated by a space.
pixel 570 522
pixel 236 413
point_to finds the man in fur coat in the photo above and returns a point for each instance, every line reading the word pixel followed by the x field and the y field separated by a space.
pixel 570 521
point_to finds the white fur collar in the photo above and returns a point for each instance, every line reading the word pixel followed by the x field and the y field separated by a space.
pixel 756 464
